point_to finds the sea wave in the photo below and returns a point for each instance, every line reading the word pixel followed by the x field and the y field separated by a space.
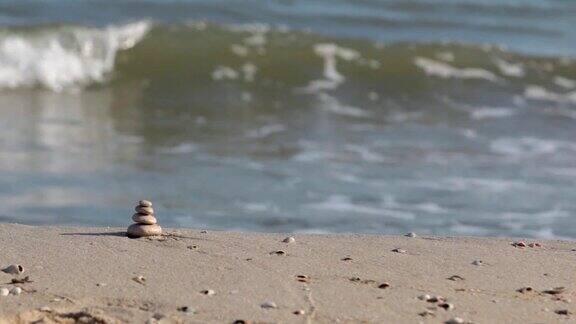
pixel 61 57
pixel 74 57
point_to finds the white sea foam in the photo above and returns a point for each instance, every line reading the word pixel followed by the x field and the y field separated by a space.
pixel 332 78
pixel 491 113
pixel 183 148
pixel 510 69
pixel 266 131
pixel 443 70
pixel 528 146
pixel 333 105
pixel 64 57
pixel 565 82
pixel 339 203
pixel 540 93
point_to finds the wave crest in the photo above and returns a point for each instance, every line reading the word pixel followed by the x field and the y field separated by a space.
pixel 62 57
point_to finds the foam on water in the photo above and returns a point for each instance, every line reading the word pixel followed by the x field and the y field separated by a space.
pixel 541 93
pixel 64 57
pixel 491 113
pixel 443 70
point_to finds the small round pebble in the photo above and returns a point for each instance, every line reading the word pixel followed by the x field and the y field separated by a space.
pixel 399 251
pixel 424 297
pixel 186 309
pixel 16 291
pixel 478 262
pixel 145 203
pixel 455 320
pixel 289 239
pixel 144 210
pixel 299 312
pixel 4 292
pixel 269 304
pixel 144 219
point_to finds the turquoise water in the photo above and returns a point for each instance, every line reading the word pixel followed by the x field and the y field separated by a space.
pixel 445 117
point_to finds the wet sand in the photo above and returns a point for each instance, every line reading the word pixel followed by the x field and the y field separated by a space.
pixel 100 276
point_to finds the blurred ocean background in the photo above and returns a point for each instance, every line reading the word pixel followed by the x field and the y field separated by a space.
pixel 449 117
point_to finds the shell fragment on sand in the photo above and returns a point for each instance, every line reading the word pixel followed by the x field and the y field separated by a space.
pixel 289 239
pixel 13 269
pixel 4 292
pixel 144 219
pixel 139 230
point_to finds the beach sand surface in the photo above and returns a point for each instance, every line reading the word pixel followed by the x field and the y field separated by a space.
pixel 98 275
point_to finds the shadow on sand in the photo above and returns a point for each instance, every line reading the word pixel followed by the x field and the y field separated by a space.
pixel 123 234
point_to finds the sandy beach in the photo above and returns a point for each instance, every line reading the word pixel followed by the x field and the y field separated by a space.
pixel 98 275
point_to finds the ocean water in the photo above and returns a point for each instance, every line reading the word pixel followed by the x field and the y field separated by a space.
pixel 448 117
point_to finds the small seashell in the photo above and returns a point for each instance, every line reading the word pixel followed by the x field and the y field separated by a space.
pixel 302 278
pixel 478 262
pixel 144 219
pixel 289 239
pixel 208 292
pixel 411 234
pixel 555 291
pixel 139 230
pixel 144 210
pixel 279 252
pixel 562 312
pixel 399 251
pixel 525 289
pixel 435 299
pixel 140 279
pixel 455 278
pixel 424 297
pixel 13 269
pixel 16 291
pixel 102 284
pixel 299 312
pixel 4 292
pixel 446 306
pixel 519 244
pixel 145 203
pixel 268 304
pixel 426 313
pixel 186 309
pixel 455 320
pixel 384 285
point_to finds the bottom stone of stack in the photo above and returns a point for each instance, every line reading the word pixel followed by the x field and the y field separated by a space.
pixel 139 230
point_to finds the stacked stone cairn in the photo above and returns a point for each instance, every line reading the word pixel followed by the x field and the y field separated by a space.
pixel 145 222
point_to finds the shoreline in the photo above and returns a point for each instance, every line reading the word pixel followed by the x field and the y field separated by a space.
pixel 192 276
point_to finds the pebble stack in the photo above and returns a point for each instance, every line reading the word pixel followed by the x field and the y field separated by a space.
pixel 145 224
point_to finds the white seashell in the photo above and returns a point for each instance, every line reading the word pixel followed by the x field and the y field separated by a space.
pixel 14 269
pixel 455 320
pixel 299 312
pixel 424 297
pixel 477 262
pixel 4 292
pixel 411 234
pixel 144 210
pixel 145 203
pixel 208 292
pixel 139 230
pixel 16 291
pixel 144 219
pixel 289 239
pixel 269 304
